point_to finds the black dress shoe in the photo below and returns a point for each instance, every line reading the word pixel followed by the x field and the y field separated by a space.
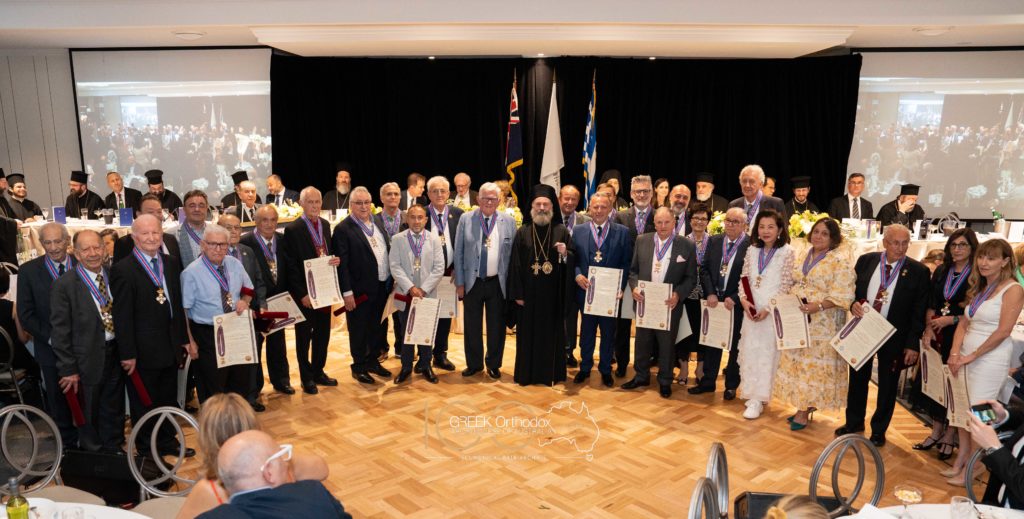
pixel 258 407
pixel 469 372
pixel 696 390
pixel 286 389
pixel 310 388
pixel 444 363
pixel 581 377
pixel 403 375
pixel 730 394
pixel 380 371
pixel 666 391
pixel 620 371
pixel 846 429
pixel 324 380
pixel 363 377
pixel 429 375
pixel 494 373
pixel 878 440
pixel 571 361
pixel 418 369
pixel 607 380
pixel 633 384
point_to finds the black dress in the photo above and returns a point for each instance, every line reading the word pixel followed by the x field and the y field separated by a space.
pixel 22 358
pixel 936 302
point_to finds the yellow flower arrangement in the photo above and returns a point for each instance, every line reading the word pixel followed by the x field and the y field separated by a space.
pixel 717 223
pixel 800 224
pixel 287 211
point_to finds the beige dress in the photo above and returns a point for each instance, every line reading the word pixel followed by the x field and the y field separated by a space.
pixel 817 376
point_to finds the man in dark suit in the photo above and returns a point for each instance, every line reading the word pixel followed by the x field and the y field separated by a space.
pixel 267 244
pixel 413 194
pixel 232 199
pixel 149 204
pixel 257 476
pixel 599 243
pixel 661 257
pixel 392 220
pixel 896 287
pixel 1006 475
pixel 277 194
pixel 34 281
pixel 679 203
pixel 308 238
pixel 904 210
pixel 568 201
pixel 638 219
pixel 247 256
pixel 81 198
pixel 754 200
pixel 720 281
pixel 81 313
pixel 362 247
pixel 247 204
pixel 705 187
pixel 337 198
pixel 463 196
pixel 150 324
pixel 121 197
pixel 443 220
pixel 852 205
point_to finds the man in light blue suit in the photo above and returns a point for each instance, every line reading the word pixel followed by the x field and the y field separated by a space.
pixel 599 243
pixel 483 246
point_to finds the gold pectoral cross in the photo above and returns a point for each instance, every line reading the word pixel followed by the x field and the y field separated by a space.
pixel 536 268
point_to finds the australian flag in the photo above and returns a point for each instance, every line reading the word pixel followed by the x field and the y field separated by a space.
pixel 513 142
pixel 590 144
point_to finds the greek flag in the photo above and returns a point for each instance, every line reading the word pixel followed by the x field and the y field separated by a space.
pixel 590 145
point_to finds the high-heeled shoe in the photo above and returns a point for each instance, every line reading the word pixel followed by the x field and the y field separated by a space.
pixel 927 444
pixel 950 472
pixel 944 453
pixel 796 426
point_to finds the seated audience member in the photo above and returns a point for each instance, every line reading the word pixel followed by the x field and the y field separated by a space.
pixel 933 259
pixel 257 474
pixel 10 324
pixel 1003 459
pixel 109 239
pixel 796 507
pixel 222 417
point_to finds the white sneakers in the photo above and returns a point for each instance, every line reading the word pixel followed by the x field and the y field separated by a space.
pixel 754 408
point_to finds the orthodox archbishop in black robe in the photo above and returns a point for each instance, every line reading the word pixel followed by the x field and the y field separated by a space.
pixel 540 280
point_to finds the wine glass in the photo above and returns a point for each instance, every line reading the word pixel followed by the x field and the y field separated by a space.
pixel 84 213
pixel 908 495
pixel 46 214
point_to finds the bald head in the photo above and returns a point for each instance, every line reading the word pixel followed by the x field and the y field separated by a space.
pixel 242 462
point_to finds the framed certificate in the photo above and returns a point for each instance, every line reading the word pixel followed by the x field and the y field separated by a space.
pixel 602 298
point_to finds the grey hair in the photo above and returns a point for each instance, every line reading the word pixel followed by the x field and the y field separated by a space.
pixel 439 180
pixel 385 186
pixel 143 218
pixel 895 227
pixel 63 230
pixel 755 169
pixel 212 228
pixel 358 189
pixel 462 174
pixel 490 186
pixel 736 210
pixel 306 191
pixel 640 179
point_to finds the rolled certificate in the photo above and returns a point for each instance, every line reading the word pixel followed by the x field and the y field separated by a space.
pixel 745 283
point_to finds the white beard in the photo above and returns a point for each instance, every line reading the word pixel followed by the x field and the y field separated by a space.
pixel 541 218
pixel 703 198
pixel 344 189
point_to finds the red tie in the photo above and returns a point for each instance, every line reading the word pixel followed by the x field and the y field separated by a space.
pixel 877 305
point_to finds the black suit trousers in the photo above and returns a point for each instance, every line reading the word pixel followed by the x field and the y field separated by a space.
pixel 692 342
pixel 713 357
pixel 103 407
pixel 365 328
pixel 57 405
pixel 485 293
pixel 444 327
pixel 162 386
pixel 857 396
pixel 211 379
pixel 276 360
pixel 623 330
pixel 315 332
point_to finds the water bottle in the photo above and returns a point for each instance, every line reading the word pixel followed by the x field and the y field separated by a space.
pixel 17 505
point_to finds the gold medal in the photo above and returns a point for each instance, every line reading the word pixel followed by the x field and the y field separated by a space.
pixel 416 264
pixel 724 269
pixel 657 266
pixel 757 282
pixel 536 268
pixel 442 238
pixel 487 242
pixel 373 242
pixel 160 297
pixel 229 300
pixel 945 308
pixel 547 268
pixel 597 257
pixel 273 269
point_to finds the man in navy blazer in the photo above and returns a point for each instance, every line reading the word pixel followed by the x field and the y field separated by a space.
pixel 615 251
pixel 256 473
pixel 483 246
pixel 443 220
pixel 720 280
pixel 754 200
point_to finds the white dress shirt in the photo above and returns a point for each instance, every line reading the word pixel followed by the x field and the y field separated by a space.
pixel 108 336
pixel 658 274
pixel 876 281
pixel 494 250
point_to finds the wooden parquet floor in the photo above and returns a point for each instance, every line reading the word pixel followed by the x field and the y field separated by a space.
pixel 393 450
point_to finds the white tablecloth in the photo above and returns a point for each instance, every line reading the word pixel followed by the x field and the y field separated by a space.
pixel 50 510
pixel 930 511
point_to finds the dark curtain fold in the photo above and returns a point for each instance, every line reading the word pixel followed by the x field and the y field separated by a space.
pixel 665 118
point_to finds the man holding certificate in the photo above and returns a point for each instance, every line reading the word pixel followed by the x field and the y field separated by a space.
pixel 638 219
pixel 417 264
pixel 212 285
pixel 307 238
pixel 663 258
pixel 603 244
pixel 896 287
pixel 720 280
pixel 442 220
pixel 362 247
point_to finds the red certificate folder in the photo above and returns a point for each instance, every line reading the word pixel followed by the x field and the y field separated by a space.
pixel 359 299
pixel 745 283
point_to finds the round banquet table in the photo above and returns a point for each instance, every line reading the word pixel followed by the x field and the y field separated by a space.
pixel 46 509
pixel 928 510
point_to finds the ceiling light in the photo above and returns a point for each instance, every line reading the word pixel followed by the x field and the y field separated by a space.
pixel 652 58
pixel 431 57
pixel 189 35
pixel 933 31
pixel 540 54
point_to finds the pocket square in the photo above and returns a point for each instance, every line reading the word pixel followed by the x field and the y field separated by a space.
pixel 680 259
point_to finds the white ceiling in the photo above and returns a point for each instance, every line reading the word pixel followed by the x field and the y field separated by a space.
pixel 668 28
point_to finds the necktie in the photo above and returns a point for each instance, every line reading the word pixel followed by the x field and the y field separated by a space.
pixel 855 214
pixel 280 199
pixel 728 250
pixel 156 268
pixel 416 271
pixel 60 270
pixel 600 230
pixel 225 297
pixel 105 310
pixel 120 201
pixel 234 252
pixel 880 295
pixel 483 251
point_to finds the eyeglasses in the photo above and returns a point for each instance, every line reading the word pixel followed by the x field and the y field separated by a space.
pixel 438 191
pixel 217 245
pixel 285 454
pixel 488 199
pixel 960 245
pixel 698 219
pixel 734 221
pixel 642 191
pixel 361 202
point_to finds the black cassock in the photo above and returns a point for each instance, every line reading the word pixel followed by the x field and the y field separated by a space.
pixel 8 234
pixel 90 201
pixel 540 343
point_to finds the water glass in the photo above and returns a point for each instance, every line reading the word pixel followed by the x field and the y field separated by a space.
pixel 961 507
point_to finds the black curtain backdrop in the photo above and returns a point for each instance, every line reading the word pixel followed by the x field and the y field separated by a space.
pixel 666 118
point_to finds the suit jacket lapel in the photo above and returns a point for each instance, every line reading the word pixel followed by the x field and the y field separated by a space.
pixel 85 298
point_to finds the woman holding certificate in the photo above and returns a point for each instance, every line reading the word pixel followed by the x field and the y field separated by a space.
pixel 945 309
pixel 982 347
pixel 816 377
pixel 768 271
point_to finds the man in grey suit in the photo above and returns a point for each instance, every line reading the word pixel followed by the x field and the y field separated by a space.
pixel 190 232
pixel 753 199
pixel 81 313
pixel 661 257
pixel 417 264
pixel 483 246
pixel 568 201
pixel 247 256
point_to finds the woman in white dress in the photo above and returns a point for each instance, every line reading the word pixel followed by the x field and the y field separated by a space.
pixel 768 267
pixel 982 348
